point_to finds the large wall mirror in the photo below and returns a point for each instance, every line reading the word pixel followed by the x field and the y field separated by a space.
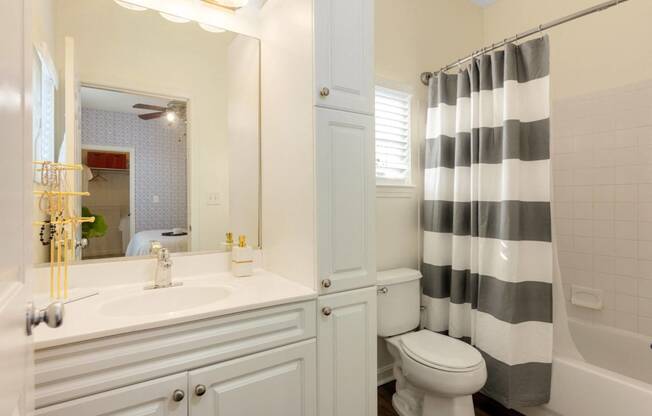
pixel 163 114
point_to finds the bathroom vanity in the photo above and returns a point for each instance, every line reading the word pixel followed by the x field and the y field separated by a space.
pixel 251 352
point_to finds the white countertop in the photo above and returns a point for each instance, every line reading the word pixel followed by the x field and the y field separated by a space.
pixel 83 319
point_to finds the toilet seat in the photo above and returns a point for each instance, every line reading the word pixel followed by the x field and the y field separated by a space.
pixel 441 352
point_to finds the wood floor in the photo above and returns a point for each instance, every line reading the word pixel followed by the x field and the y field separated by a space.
pixel 484 406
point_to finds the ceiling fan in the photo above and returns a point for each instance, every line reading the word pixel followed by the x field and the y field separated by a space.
pixel 175 110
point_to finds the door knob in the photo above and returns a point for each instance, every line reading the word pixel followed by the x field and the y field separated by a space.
pixel 326 283
pixel 326 311
pixel 178 395
pixel 324 92
pixel 200 389
pixel 52 315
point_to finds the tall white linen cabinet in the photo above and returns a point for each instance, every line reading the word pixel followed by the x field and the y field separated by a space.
pixel 319 182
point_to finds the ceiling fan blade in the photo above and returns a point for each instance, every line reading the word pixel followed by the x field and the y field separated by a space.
pixel 151 115
pixel 150 107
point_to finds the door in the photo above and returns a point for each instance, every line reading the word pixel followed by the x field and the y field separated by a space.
pixel 344 59
pixel 345 200
pixel 164 396
pixel 346 361
pixel 278 382
pixel 16 372
pixel 71 152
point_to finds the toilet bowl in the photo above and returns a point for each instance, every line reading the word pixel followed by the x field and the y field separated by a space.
pixel 435 374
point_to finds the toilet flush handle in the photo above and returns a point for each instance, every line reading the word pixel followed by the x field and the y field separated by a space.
pixel 382 290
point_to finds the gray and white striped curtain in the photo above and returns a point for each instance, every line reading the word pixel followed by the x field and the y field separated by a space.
pixel 487 252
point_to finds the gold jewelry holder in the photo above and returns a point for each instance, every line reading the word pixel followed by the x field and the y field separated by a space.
pixel 55 203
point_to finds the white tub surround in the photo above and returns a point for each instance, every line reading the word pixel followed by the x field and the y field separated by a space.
pixel 127 308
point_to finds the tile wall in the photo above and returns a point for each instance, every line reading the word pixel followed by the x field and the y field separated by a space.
pixel 602 202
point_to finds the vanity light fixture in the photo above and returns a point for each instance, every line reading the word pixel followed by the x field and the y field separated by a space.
pixel 228 4
pixel 212 29
pixel 173 18
pixel 130 6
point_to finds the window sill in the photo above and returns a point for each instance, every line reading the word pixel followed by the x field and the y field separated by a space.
pixel 388 190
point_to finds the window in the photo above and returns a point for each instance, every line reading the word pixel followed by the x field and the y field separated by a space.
pixel 393 158
pixel 43 93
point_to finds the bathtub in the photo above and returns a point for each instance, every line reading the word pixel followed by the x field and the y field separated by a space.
pixel 613 376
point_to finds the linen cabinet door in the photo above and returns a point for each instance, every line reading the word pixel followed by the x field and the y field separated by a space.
pixel 346 360
pixel 278 382
pixel 345 200
pixel 166 396
pixel 344 57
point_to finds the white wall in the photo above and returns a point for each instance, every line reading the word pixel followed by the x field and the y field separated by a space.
pixel 601 51
pixel 412 37
pixel 243 116
pixel 141 51
pixel 288 188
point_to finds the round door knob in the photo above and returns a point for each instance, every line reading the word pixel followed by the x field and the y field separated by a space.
pixel 178 395
pixel 326 283
pixel 326 311
pixel 200 389
pixel 324 92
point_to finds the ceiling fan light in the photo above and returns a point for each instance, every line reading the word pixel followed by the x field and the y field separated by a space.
pixel 130 6
pixel 212 29
pixel 173 18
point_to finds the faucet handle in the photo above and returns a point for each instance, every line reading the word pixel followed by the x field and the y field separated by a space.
pixel 164 255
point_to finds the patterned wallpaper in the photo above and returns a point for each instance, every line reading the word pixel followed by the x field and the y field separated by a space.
pixel 160 163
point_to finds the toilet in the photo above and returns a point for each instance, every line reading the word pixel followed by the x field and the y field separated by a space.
pixel 435 374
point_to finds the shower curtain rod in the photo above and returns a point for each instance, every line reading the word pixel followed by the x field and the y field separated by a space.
pixel 425 76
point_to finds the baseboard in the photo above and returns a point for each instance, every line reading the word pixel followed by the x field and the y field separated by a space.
pixel 385 374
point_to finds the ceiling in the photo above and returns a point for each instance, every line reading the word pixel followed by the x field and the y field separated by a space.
pixel 121 102
pixel 483 3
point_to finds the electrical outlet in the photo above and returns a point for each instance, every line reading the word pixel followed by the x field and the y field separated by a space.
pixel 214 199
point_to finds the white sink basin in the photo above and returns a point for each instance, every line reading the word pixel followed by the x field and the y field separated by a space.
pixel 163 301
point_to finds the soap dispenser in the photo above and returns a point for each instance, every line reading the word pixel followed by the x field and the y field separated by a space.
pixel 242 258
pixel 228 243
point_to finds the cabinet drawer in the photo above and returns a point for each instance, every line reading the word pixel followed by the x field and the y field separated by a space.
pixel 76 370
pixel 151 398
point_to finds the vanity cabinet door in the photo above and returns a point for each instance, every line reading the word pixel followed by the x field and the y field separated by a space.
pixel 345 200
pixel 166 396
pixel 278 382
pixel 346 360
pixel 344 57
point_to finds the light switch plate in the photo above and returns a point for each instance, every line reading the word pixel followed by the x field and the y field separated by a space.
pixel 156 199
pixel 214 199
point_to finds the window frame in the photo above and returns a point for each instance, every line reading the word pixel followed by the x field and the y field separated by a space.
pixel 407 93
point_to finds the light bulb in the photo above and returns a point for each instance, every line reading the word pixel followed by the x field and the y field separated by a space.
pixel 209 28
pixel 171 116
pixel 173 18
pixel 130 6
pixel 233 3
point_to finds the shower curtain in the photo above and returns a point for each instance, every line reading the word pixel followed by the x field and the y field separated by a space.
pixel 487 252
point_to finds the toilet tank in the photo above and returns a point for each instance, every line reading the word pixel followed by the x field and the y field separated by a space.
pixel 399 301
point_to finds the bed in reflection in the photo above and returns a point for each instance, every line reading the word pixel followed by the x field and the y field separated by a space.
pixel 141 242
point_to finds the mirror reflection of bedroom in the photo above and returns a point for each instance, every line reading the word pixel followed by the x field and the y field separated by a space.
pixel 134 153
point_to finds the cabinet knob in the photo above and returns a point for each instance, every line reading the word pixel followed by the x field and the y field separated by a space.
pixel 200 389
pixel 324 92
pixel 178 395
pixel 326 283
pixel 326 311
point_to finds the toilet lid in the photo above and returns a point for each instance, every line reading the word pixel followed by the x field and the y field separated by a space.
pixel 440 351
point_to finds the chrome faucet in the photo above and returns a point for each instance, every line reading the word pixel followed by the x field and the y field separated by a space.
pixel 163 272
